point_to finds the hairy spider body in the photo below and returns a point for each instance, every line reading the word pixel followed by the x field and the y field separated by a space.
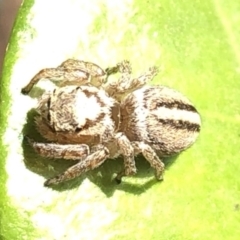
pixel 91 124
pixel 161 117
pixel 77 114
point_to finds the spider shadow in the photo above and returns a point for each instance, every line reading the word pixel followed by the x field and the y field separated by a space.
pixel 103 176
pixel 36 92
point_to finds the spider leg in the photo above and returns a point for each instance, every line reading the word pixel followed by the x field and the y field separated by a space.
pixel 97 75
pixel 66 76
pixel 87 67
pixel 65 151
pixel 151 156
pixel 125 83
pixel 128 157
pixel 92 161
pixel 144 78
pixel 125 69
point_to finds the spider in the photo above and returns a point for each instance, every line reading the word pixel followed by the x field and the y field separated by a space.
pixel 89 119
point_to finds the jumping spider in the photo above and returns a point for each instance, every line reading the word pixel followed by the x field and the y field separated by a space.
pixel 89 120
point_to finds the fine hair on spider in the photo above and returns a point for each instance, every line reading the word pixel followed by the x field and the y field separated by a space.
pixel 90 119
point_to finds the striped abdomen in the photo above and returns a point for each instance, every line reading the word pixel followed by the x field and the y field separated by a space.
pixel 161 117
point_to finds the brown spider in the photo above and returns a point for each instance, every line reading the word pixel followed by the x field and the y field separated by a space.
pixel 89 119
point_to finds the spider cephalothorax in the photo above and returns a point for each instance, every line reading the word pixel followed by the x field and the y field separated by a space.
pixel 92 122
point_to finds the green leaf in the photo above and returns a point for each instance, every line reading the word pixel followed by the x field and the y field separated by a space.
pixel 196 44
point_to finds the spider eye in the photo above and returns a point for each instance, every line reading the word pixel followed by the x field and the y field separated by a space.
pixel 78 129
pixel 49 103
pixel 48 107
pixel 49 117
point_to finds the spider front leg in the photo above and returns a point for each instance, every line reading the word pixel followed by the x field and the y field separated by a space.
pixel 62 75
pixel 97 76
pixel 92 161
pixel 112 88
pixel 126 84
pixel 151 156
pixel 72 72
pixel 128 157
pixel 65 151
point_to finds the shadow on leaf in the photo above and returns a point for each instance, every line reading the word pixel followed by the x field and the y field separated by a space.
pixel 103 176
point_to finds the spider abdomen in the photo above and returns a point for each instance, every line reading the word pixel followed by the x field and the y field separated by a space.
pixel 161 117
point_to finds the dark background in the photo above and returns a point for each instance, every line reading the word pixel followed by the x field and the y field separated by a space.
pixel 8 11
